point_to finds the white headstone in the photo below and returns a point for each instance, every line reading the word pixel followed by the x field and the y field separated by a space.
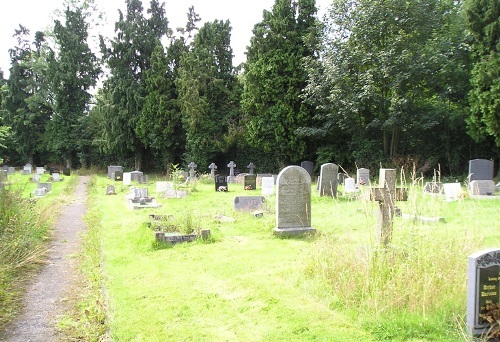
pixel 452 191
pixel 40 170
pixel 127 178
pixel 267 186
pixel 349 185
pixel 56 177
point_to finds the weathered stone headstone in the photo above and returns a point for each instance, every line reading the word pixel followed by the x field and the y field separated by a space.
pixel 483 288
pixel 56 177
pixel 127 178
pixel 110 190
pixel 221 183
pixel 267 186
pixel 11 170
pixel 251 167
pixel 349 186
pixel 452 191
pixel 27 169
pixel 212 168
pixel 308 166
pixel 40 170
pixel 250 182
pixel 249 203
pixel 36 178
pixel 192 176
pixel 328 178
pixel 363 176
pixel 231 167
pixel 293 202
pixel 135 176
pixel 118 175
pixel 113 169
pixel 480 169
pixel 433 188
pixel 387 194
pixel 47 186
pixel 40 192
pixel 482 188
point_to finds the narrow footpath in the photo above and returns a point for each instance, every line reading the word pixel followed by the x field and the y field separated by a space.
pixel 47 295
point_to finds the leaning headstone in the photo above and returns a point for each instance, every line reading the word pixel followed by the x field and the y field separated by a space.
pixel 231 166
pixel 113 169
pixel 480 169
pixel 452 191
pixel 267 186
pixel 482 188
pixel 127 178
pixel 293 202
pixel 483 288
pixel 433 188
pixel 212 168
pixel 308 166
pixel 221 183
pixel 363 176
pixel 328 178
pixel 251 167
pixel 250 182
pixel 249 203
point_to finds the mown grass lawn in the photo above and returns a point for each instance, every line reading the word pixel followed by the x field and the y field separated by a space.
pixel 245 284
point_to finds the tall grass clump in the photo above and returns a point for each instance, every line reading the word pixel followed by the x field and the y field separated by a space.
pixel 24 228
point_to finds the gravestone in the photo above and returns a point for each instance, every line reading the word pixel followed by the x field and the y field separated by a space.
pixel 250 182
pixel 231 166
pixel 363 176
pixel 47 186
pixel 350 187
pixel 483 288
pixel 482 188
pixel 40 192
pixel 127 178
pixel 118 175
pixel 135 176
pixel 110 190
pixel 56 177
pixel 40 170
pixel 386 194
pixel 267 186
pixel 192 176
pixel 293 202
pixel 251 167
pixel 328 179
pixel 308 166
pixel 36 178
pixel 66 171
pixel 221 183
pixel 212 168
pixel 163 186
pixel 480 169
pixel 452 191
pixel 139 199
pixel 433 188
pixel 249 203
pixel 113 169
pixel 27 169
pixel 11 170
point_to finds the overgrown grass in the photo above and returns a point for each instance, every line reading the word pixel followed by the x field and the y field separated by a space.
pixel 25 231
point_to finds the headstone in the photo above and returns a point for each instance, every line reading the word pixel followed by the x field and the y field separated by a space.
pixel 11 170
pixel 482 188
pixel 249 203
pixel 36 178
pixel 433 188
pixel 192 176
pixel 328 178
pixel 40 170
pixel 66 171
pixel 221 183
pixel 127 178
pixel 267 186
pixel 118 175
pixel 480 169
pixel 114 168
pixel 308 166
pixel 250 182
pixel 363 176
pixel 53 169
pixel 341 176
pixel 212 168
pixel 386 194
pixel 231 167
pixel 110 190
pixel 40 192
pixel 251 167
pixel 47 186
pixel 483 288
pixel 452 191
pixel 293 202
pixel 135 176
pixel 163 186
pixel 28 169
pixel 349 186
pixel 56 177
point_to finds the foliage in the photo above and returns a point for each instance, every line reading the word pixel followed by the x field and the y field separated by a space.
pixel 274 78
pixel 483 21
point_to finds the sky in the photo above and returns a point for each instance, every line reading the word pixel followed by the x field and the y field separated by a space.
pixel 37 15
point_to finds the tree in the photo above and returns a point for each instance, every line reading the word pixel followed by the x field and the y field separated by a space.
pixel 206 86
pixel 274 77
pixel 483 21
pixel 74 72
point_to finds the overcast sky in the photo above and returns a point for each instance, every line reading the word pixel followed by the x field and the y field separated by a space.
pixel 36 15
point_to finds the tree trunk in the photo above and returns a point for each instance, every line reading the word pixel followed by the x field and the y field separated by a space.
pixel 386 141
pixel 394 141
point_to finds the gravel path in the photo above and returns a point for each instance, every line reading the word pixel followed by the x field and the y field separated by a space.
pixel 46 296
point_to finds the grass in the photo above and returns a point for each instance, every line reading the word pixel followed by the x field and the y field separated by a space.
pixel 248 285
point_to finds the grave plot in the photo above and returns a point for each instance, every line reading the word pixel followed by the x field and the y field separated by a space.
pixel 168 229
pixel 140 199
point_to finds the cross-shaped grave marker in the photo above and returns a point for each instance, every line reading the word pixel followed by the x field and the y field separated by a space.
pixel 386 194
pixel 192 166
pixel 212 168
pixel 251 167
pixel 231 167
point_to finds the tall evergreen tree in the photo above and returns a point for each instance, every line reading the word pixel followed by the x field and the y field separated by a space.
pixel 275 76
pixel 483 21
pixel 74 72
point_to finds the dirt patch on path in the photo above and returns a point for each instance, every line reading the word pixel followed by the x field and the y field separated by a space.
pixel 46 296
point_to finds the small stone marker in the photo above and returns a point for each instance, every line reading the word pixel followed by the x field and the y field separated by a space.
pixel 40 170
pixel 46 186
pixel 221 183
pixel 386 194
pixel 192 176
pixel 480 169
pixel 452 191
pixel 293 202
pixel 363 176
pixel 482 188
pixel 433 188
pixel 231 167
pixel 349 186
pixel 251 167
pixel 127 178
pixel 250 182
pixel 110 190
pixel 328 180
pixel 267 186
pixel 56 177
pixel 249 203
pixel 483 288
pixel 308 166
pixel 212 168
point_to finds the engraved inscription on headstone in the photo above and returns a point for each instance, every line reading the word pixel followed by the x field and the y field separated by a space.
pixel 328 180
pixel 221 183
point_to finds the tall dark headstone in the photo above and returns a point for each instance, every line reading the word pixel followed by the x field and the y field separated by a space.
pixel 250 182
pixel 328 180
pixel 308 166
pixel 221 183
pixel 480 169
